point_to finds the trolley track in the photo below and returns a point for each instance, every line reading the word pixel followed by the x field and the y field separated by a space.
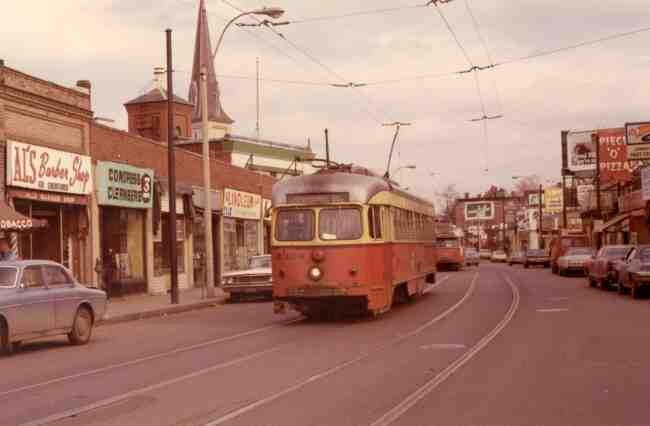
pixel 72 413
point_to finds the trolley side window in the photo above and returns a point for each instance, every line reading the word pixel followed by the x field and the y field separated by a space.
pixel 374 222
pixel 340 224
pixel 295 225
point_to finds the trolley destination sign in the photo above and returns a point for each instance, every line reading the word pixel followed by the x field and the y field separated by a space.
pixel 122 185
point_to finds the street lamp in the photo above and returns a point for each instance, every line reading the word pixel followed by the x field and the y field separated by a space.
pixel 274 13
pixel 271 12
pixel 408 166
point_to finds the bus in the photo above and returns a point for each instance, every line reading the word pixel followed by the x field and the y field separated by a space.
pixel 345 240
pixel 449 247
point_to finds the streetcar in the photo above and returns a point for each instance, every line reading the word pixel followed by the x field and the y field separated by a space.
pixel 346 240
pixel 449 247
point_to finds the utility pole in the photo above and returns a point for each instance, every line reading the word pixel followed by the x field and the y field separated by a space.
pixel 171 172
pixel 257 102
pixel 503 224
pixel 207 199
pixel 397 125
pixel 327 149
pixel 539 222
pixel 596 141
pixel 564 201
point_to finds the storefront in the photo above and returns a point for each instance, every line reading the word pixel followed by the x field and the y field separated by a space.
pixel 161 239
pixel 52 186
pixel 199 256
pixel 124 198
pixel 242 214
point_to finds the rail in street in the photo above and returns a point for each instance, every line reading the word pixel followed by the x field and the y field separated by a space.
pixel 493 345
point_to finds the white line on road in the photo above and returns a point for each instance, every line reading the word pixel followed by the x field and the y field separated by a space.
pixel 109 401
pixel 439 283
pixel 557 299
pixel 145 359
pixel 443 346
pixel 553 310
pixel 250 407
pixel 432 384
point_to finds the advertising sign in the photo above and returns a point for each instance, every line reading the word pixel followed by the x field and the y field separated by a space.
pixel 533 218
pixel 479 210
pixel 616 160
pixel 584 195
pixel 645 184
pixel 581 152
pixel 533 198
pixel 637 138
pixel 123 185
pixel 45 169
pixel 553 200
pixel 242 205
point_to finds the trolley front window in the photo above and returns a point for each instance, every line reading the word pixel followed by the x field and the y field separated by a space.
pixel 295 225
pixel 340 224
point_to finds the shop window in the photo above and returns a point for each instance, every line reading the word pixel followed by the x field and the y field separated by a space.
pixel 123 237
pixel 162 244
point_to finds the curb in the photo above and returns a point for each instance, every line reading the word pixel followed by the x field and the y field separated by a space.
pixel 169 310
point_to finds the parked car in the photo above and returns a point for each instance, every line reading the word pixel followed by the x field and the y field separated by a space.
pixel 472 257
pixel 601 269
pixel 499 256
pixel 486 254
pixel 574 260
pixel 40 298
pixel 634 273
pixel 560 244
pixel 516 257
pixel 536 257
pixel 257 279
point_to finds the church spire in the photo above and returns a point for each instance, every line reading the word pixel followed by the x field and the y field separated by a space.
pixel 203 57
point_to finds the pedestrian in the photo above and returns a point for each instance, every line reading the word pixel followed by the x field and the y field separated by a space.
pixel 108 269
pixel 5 251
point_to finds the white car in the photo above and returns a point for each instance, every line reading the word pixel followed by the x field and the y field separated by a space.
pixel 499 256
pixel 574 261
pixel 257 279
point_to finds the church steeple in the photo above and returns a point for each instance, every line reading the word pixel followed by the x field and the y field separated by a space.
pixel 203 57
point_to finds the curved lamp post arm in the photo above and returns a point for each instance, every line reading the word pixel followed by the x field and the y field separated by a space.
pixel 232 21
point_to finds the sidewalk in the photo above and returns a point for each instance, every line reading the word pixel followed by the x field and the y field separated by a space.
pixel 144 306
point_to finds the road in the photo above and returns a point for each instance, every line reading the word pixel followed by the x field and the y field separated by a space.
pixel 493 345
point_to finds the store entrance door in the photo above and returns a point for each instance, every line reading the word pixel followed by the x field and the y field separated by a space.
pixel 46 243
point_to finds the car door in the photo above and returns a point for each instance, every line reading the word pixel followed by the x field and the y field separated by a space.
pixel 626 267
pixel 64 294
pixel 36 313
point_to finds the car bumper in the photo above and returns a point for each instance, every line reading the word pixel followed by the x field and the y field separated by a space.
pixel 234 288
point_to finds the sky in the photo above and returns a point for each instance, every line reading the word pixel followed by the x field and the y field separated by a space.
pixel 117 43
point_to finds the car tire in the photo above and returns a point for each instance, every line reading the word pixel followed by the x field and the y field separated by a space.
pixel 82 327
pixel 635 290
pixel 592 282
pixel 6 346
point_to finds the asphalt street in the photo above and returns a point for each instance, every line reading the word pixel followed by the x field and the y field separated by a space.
pixel 493 345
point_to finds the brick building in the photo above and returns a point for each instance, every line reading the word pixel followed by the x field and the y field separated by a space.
pixel 45 168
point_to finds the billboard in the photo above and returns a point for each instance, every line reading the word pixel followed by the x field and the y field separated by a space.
pixel 637 139
pixel 580 152
pixel 533 198
pixel 553 200
pixel 479 210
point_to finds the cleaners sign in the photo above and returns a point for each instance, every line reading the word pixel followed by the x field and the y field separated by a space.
pixel 124 186
pixel 45 169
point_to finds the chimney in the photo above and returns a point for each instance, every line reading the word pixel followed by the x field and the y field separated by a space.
pixel 159 78
pixel 84 86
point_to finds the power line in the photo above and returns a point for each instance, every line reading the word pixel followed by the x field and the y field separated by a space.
pixel 574 46
pixel 313 59
pixel 354 14
pixel 453 34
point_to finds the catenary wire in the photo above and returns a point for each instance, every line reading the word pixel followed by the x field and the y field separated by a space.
pixel 354 14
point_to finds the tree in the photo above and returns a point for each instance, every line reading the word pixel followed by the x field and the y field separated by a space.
pixel 527 183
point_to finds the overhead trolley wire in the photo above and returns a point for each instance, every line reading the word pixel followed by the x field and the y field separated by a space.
pixel 354 14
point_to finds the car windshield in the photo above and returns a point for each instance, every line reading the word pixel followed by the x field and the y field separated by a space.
pixel 470 252
pixel 535 252
pixel 580 251
pixel 260 262
pixel 615 252
pixel 574 242
pixel 447 243
pixel 340 224
pixel 8 277
pixel 295 225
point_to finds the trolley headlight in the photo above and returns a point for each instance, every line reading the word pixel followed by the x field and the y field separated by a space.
pixel 315 273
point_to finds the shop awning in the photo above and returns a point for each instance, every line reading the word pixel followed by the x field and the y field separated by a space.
pixel 614 221
pixel 12 221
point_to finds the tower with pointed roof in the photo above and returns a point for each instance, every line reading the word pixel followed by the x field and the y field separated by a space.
pixel 219 121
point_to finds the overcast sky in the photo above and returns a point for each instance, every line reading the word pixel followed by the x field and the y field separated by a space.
pixel 117 43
